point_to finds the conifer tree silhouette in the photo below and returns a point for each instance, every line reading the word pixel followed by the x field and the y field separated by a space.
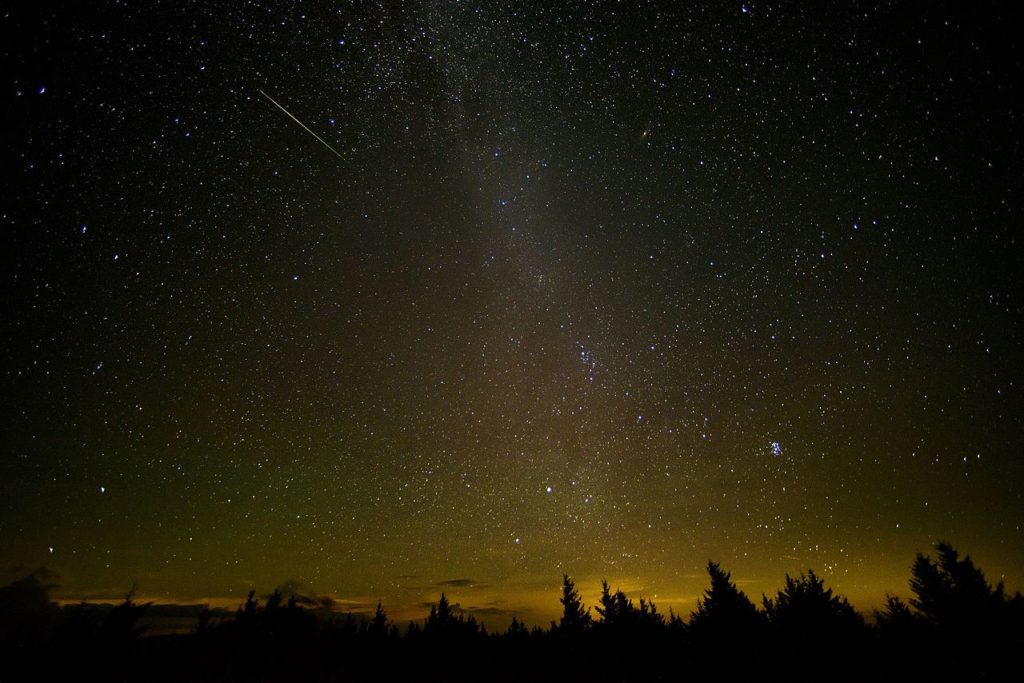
pixel 615 609
pixel 247 612
pixel 516 630
pixel 724 609
pixel 379 623
pixel 805 606
pixel 952 594
pixel 896 615
pixel 956 626
pixel 440 617
pixel 121 624
pixel 575 618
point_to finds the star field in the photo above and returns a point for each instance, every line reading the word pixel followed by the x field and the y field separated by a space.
pixel 601 288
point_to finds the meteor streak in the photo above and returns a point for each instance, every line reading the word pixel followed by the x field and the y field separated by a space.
pixel 304 127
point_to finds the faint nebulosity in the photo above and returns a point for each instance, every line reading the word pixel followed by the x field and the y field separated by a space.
pixel 602 288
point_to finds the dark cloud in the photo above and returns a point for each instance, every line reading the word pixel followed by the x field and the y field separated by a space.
pixel 304 596
pixel 170 610
pixel 461 583
pixel 354 606
pixel 490 611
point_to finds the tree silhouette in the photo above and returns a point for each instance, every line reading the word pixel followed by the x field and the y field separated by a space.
pixel 903 643
pixel 25 604
pixel 615 609
pixel 619 614
pixel 440 618
pixel 896 616
pixel 444 625
pixel 274 601
pixel 379 624
pixel 650 619
pixel 677 627
pixel 970 624
pixel 517 630
pixel 955 627
pixel 724 610
pixel 952 594
pixel 805 606
pixel 575 618
pixel 121 625
pixel 247 613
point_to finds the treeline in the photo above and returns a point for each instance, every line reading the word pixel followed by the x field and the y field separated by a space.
pixel 955 627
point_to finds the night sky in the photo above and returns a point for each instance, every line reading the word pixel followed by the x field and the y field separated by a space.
pixel 606 289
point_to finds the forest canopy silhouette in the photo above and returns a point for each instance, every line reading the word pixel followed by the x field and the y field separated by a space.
pixel 954 626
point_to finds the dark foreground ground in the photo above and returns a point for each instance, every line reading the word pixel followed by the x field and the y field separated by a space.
pixel 956 627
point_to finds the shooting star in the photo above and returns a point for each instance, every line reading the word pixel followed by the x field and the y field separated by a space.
pixel 304 127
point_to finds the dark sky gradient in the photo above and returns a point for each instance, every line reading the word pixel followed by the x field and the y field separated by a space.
pixel 605 289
